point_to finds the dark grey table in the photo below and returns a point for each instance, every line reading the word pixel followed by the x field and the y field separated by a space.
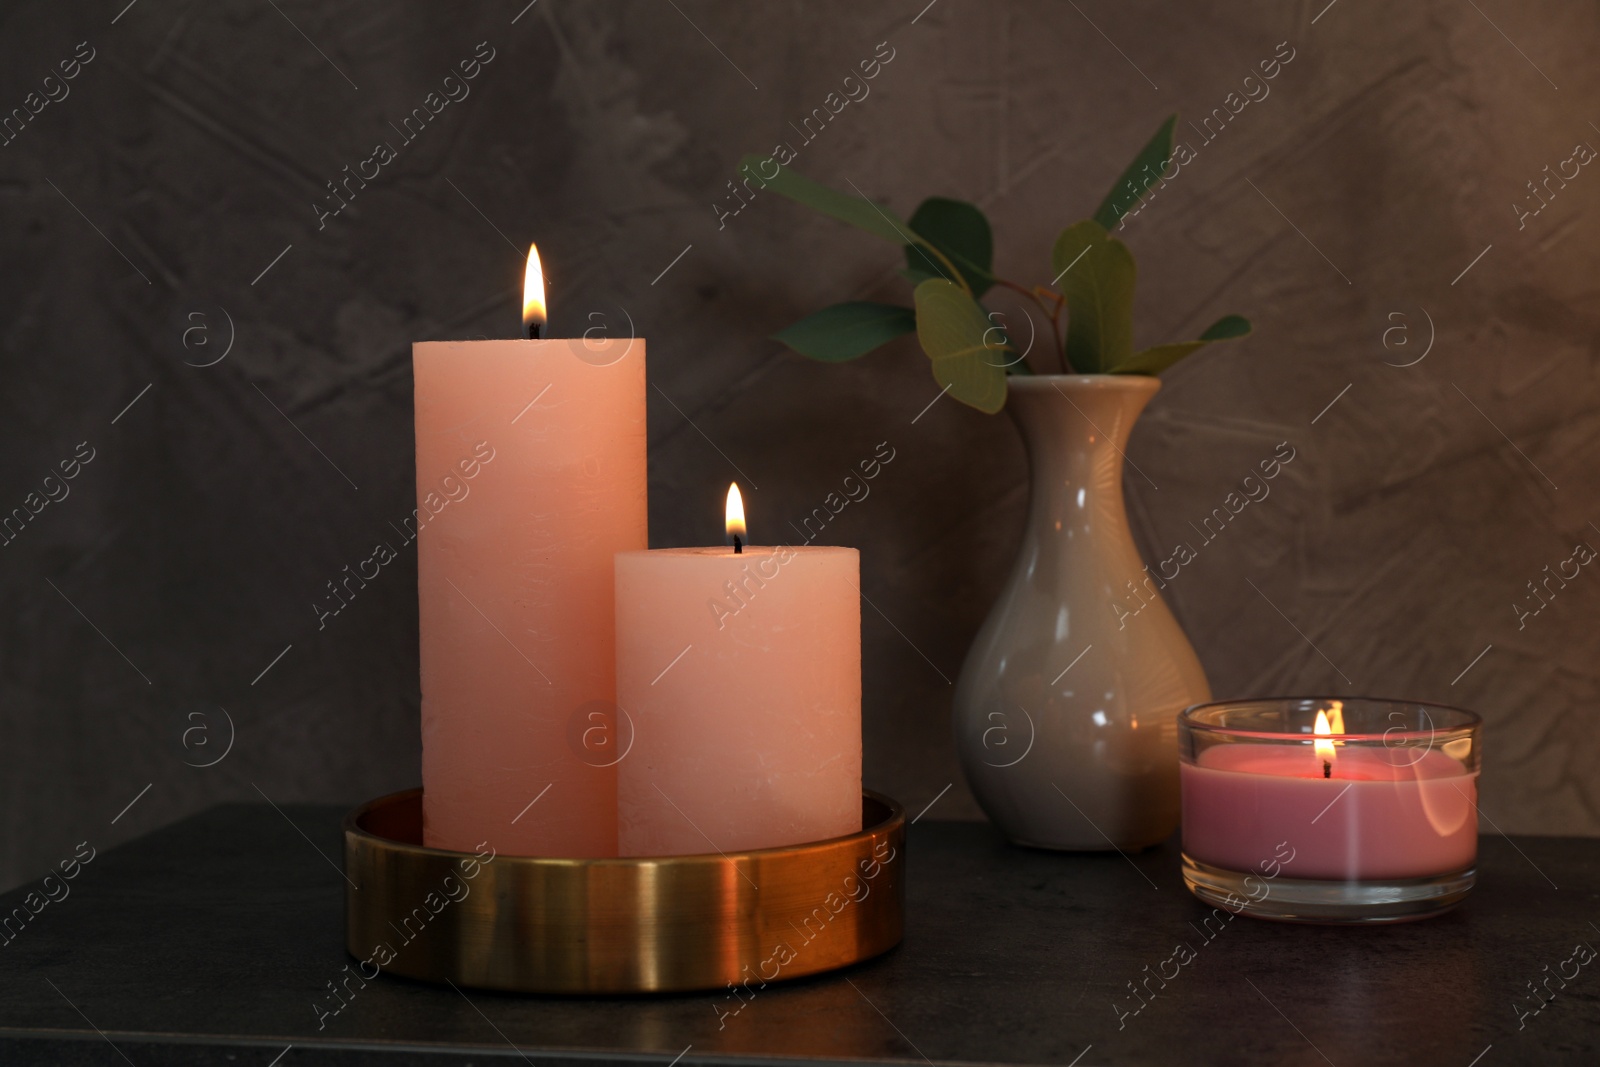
pixel 213 941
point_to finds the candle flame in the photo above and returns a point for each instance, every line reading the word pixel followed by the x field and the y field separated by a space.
pixel 533 310
pixel 1322 746
pixel 1336 716
pixel 735 520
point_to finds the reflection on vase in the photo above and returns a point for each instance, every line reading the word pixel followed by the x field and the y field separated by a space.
pixel 1066 709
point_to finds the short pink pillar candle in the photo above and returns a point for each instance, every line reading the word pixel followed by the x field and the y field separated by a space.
pixel 740 674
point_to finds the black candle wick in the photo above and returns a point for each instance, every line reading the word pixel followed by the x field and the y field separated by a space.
pixel 1327 769
pixel 738 545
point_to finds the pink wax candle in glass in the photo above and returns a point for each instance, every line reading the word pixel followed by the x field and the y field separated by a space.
pixel 1329 810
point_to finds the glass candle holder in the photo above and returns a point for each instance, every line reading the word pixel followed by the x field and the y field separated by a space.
pixel 1329 810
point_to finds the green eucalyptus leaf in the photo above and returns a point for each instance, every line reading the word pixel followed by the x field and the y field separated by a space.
pixel 961 232
pixel 1140 175
pixel 1227 328
pixel 845 331
pixel 969 353
pixel 858 211
pixel 1097 275
pixel 1157 359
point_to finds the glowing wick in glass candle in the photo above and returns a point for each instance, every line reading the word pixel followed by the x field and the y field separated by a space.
pixel 533 311
pixel 1322 746
pixel 735 522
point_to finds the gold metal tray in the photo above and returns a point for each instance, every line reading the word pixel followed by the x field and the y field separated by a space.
pixel 542 925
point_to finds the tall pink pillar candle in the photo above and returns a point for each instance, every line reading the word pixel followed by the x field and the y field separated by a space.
pixel 530 478
pixel 741 677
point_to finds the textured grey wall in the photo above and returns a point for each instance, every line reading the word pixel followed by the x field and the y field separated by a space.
pixel 179 176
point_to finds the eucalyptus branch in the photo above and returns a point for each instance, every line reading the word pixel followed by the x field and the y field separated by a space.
pixel 1094 311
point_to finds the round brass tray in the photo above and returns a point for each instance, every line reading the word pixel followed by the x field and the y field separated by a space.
pixel 673 923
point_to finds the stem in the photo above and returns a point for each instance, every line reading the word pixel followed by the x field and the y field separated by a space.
pixel 1061 342
pixel 1053 314
pixel 1029 293
pixel 954 275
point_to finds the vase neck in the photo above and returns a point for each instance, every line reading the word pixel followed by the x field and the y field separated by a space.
pixel 1076 428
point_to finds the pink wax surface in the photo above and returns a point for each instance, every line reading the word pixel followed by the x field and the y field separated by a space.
pixel 1379 816
pixel 741 675
pixel 514 583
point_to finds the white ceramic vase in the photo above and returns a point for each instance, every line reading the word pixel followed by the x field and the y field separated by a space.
pixel 1066 709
